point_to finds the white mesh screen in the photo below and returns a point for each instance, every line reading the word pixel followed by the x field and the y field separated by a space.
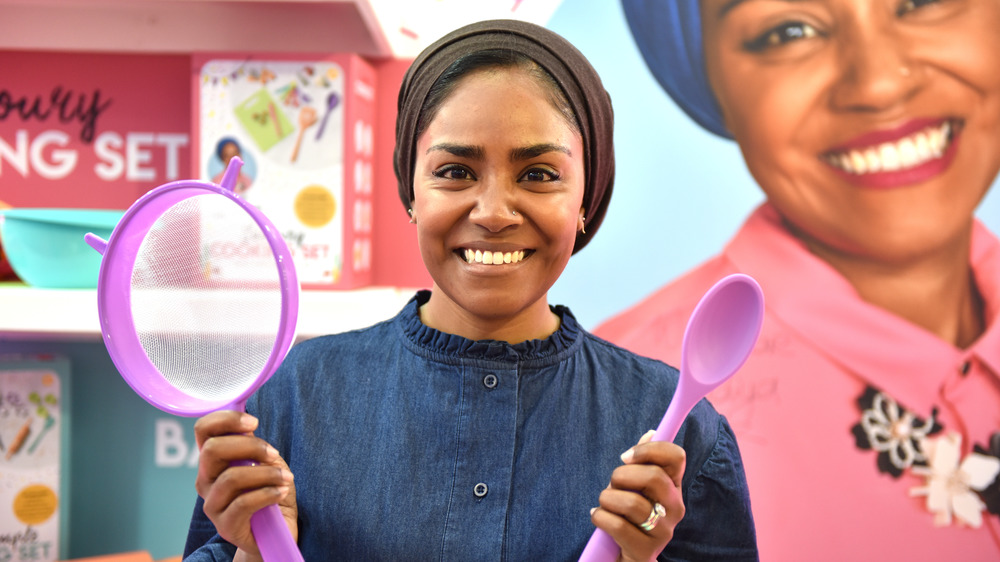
pixel 206 299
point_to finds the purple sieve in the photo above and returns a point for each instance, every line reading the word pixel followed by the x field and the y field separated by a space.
pixel 198 300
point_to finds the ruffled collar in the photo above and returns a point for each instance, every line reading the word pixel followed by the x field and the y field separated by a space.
pixel 892 346
pixel 430 342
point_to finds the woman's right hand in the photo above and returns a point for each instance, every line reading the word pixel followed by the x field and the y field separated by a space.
pixel 233 493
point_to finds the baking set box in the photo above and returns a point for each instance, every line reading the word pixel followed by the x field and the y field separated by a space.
pixel 303 127
pixel 34 457
pixel 315 132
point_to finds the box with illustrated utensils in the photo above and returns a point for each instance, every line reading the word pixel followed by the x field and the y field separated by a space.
pixel 34 457
pixel 303 126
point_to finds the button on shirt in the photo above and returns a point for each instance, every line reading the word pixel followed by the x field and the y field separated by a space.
pixel 411 444
pixel 794 403
pixel 490 381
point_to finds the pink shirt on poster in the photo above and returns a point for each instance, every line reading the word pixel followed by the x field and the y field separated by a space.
pixel 816 494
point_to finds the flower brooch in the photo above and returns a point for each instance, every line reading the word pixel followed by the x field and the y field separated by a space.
pixel 955 488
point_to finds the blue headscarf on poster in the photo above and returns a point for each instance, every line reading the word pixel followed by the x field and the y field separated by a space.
pixel 668 34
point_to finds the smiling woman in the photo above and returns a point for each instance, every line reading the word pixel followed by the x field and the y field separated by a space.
pixel 871 127
pixel 481 423
pixel 498 171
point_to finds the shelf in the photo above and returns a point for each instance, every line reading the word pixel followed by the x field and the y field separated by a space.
pixel 188 26
pixel 28 313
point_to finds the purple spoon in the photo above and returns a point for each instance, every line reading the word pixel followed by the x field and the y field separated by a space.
pixel 331 102
pixel 719 337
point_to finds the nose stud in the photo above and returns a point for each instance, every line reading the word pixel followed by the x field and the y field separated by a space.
pixel 514 213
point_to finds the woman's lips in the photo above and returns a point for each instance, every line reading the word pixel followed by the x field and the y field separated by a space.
pixel 899 159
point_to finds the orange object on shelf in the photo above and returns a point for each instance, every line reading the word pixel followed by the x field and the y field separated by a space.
pixel 6 271
pixel 137 556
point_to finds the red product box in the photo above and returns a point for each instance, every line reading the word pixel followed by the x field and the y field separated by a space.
pixel 303 126
pixel 91 130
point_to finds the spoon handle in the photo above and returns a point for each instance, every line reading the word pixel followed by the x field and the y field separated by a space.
pixel 680 406
pixel 601 547
pixel 322 125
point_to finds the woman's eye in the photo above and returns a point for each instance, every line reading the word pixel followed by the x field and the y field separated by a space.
pixel 781 35
pixel 910 5
pixel 454 172
pixel 539 174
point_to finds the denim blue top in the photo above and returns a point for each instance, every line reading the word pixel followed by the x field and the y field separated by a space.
pixel 408 443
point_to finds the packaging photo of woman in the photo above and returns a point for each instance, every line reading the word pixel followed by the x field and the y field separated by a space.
pixel 868 416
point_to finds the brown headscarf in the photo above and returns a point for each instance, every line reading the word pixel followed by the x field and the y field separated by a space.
pixel 571 70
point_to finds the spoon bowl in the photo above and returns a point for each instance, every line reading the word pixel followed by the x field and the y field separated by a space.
pixel 722 330
pixel 719 337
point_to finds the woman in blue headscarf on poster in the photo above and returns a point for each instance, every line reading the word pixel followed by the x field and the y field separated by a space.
pixel 869 414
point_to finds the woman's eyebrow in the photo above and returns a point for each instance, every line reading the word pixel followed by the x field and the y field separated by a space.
pixel 478 153
pixel 536 150
pixel 460 150
pixel 731 4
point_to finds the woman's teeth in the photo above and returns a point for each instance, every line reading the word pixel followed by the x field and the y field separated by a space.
pixel 903 154
pixel 493 258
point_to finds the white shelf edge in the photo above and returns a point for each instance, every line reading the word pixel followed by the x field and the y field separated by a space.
pixel 188 26
pixel 28 313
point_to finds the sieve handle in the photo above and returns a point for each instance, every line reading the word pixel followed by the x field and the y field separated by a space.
pixel 96 242
pixel 273 537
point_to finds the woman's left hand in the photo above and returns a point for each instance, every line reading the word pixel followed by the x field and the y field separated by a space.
pixel 630 507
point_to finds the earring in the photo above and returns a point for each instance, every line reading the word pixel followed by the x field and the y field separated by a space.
pixel 583 225
pixel 412 219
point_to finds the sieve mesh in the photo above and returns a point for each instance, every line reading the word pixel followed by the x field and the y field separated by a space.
pixel 206 297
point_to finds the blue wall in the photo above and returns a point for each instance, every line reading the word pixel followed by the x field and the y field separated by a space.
pixel 119 499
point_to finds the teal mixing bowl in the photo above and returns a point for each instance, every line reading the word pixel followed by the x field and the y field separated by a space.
pixel 45 247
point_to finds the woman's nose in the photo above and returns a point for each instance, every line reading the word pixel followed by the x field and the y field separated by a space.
pixel 495 207
pixel 875 70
